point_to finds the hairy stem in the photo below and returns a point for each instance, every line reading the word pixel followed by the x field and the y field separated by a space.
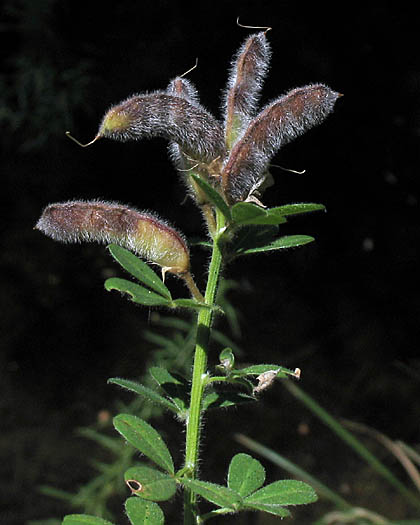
pixel 199 372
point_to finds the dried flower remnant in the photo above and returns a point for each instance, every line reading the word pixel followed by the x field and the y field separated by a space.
pixel 108 222
pixel 249 68
pixel 277 124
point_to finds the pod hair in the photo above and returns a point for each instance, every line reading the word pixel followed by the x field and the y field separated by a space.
pixel 277 124
pixel 108 222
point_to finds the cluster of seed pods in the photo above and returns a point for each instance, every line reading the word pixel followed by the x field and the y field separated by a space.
pixel 233 155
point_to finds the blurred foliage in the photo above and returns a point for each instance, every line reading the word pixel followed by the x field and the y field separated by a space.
pixel 41 85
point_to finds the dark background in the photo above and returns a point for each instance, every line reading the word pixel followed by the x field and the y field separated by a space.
pixel 344 309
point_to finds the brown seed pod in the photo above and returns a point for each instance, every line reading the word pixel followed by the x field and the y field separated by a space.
pixel 108 222
pixel 277 124
pixel 248 70
pixel 160 114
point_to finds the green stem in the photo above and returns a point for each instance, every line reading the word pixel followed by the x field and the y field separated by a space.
pixel 199 371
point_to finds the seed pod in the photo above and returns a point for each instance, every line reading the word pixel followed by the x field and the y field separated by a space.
pixel 248 70
pixel 109 222
pixel 159 114
pixel 278 123
pixel 183 88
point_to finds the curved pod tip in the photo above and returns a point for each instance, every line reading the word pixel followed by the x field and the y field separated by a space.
pixel 70 136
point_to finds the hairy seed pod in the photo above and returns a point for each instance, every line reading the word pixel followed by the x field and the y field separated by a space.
pixel 183 88
pixel 277 124
pixel 159 114
pixel 109 222
pixel 248 70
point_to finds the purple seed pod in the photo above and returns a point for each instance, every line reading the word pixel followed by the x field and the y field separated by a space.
pixel 159 114
pixel 248 70
pixel 108 222
pixel 277 124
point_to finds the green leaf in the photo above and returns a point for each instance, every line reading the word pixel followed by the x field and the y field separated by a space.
pixel 175 386
pixel 144 391
pixel 146 439
pixel 294 209
pixel 246 213
pixel 139 269
pixel 225 399
pixel 288 241
pixel 149 483
pixel 213 195
pixel 227 359
pixel 245 475
pixel 277 510
pixel 256 370
pixel 243 212
pixel 193 304
pixel 217 494
pixel 142 512
pixel 253 236
pixel 84 519
pixel 138 293
pixel 284 492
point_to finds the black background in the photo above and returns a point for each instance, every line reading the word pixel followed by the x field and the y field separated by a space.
pixel 344 309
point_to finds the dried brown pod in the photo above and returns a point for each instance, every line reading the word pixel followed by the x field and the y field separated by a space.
pixel 248 70
pixel 108 222
pixel 277 124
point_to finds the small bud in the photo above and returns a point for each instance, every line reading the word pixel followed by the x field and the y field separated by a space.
pixel 159 114
pixel 249 67
pixel 108 222
pixel 278 123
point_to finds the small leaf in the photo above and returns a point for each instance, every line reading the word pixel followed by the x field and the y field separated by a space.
pixel 193 304
pixel 284 492
pixel 142 512
pixel 246 212
pixel 175 386
pixel 225 399
pixel 144 391
pixel 227 359
pixel 277 510
pixel 288 241
pixel 138 293
pixel 245 475
pixel 139 269
pixel 217 494
pixel 294 209
pixel 213 195
pixel 146 439
pixel 256 370
pixel 252 237
pixel 84 519
pixel 149 483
